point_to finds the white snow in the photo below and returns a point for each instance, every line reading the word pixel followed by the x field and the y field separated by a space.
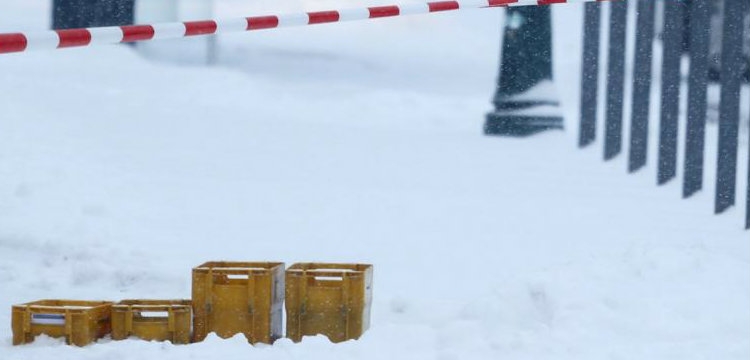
pixel 354 142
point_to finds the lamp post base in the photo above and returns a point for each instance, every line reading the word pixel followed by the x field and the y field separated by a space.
pixel 504 124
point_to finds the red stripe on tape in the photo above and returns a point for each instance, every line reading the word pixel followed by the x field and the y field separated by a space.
pixel 320 17
pixel 501 2
pixel 443 6
pixel 73 38
pixel 383 11
pixel 262 22
pixel 193 28
pixel 10 43
pixel 137 33
pixel 547 2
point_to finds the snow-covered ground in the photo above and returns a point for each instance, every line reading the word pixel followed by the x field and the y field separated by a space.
pixel 354 142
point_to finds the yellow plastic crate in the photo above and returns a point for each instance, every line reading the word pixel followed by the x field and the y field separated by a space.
pixel 230 298
pixel 79 322
pixel 153 320
pixel 329 299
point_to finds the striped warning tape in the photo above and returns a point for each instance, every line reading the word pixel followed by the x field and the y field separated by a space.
pixel 59 39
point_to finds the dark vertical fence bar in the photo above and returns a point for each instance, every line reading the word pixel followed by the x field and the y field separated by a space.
pixel 700 24
pixel 590 73
pixel 644 41
pixel 670 90
pixel 747 205
pixel 615 79
pixel 729 105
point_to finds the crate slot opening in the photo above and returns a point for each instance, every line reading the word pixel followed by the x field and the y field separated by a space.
pixel 48 319
pixel 332 270
pixel 154 314
pixel 238 276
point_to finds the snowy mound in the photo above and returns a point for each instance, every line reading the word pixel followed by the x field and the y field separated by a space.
pixel 358 142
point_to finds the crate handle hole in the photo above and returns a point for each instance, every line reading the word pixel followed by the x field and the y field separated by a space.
pixel 329 278
pixel 154 314
pixel 238 276
pixel 48 319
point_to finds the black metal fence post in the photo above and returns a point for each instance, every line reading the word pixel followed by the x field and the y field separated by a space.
pixel 644 45
pixel 590 73
pixel 615 79
pixel 670 90
pixel 729 105
pixel 700 25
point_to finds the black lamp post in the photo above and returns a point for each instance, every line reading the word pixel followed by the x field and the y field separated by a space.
pixel 525 101
pixel 72 14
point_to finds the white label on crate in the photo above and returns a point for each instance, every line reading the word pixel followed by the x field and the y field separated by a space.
pixel 48 319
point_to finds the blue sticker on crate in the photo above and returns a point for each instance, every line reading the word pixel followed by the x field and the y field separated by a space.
pixel 48 319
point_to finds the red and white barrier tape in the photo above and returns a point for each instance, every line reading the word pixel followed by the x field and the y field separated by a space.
pixel 59 39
